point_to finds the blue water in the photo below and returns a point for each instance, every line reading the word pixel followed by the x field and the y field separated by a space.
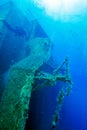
pixel 70 40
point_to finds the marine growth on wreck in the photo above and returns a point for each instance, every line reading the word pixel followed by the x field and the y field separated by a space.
pixel 24 73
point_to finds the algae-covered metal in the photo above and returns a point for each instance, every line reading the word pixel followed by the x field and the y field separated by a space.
pixel 16 96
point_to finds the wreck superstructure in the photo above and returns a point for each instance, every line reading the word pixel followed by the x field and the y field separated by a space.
pixel 23 73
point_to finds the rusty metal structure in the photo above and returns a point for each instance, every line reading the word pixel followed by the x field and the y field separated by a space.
pixel 16 96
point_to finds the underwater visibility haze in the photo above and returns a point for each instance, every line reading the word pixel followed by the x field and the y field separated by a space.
pixel 43 65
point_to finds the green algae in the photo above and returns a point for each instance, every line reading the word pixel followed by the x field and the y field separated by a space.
pixel 16 96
